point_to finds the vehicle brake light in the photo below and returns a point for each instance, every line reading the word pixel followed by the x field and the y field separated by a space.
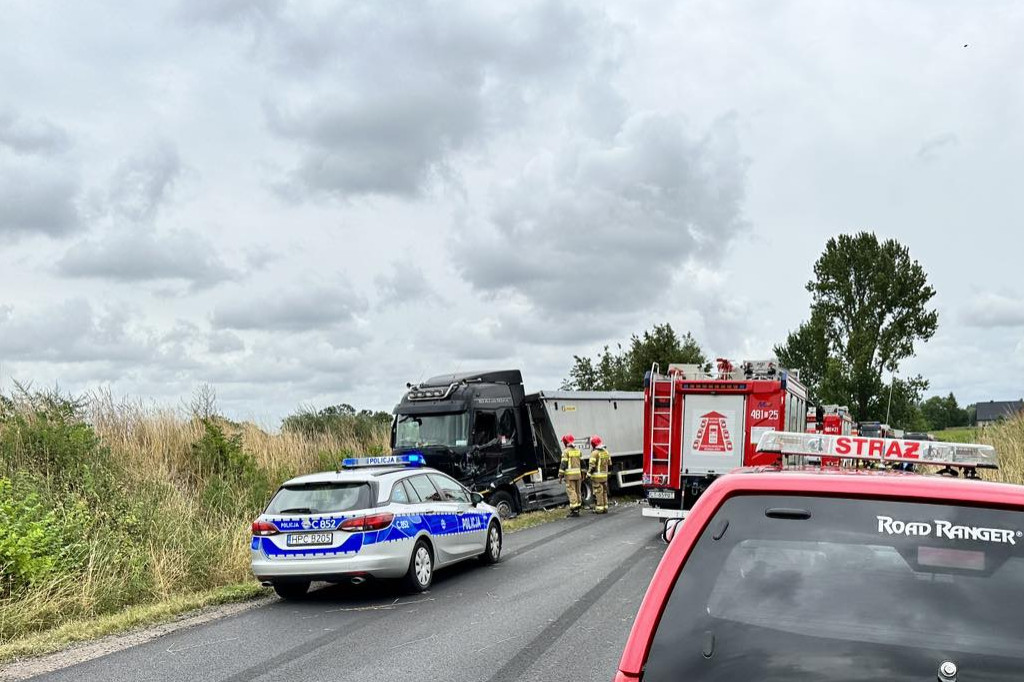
pixel 371 522
pixel 264 528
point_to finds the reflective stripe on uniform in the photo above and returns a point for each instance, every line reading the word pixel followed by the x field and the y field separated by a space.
pixel 570 465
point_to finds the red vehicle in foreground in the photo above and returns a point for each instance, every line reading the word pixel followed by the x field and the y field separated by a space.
pixel 828 574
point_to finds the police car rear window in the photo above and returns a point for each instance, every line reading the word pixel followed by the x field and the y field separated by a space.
pixel 320 498
pixel 802 588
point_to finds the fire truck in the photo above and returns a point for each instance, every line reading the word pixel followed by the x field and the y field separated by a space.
pixel 831 419
pixel 699 425
pixel 834 420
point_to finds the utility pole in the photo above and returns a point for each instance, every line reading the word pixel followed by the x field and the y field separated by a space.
pixel 892 382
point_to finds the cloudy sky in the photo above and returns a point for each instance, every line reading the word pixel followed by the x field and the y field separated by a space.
pixel 312 202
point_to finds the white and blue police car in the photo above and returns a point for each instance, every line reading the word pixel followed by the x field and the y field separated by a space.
pixel 380 517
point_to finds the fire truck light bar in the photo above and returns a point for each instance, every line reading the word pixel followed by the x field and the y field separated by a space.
pixel 879 449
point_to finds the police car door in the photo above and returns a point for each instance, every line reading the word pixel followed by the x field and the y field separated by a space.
pixel 439 516
pixel 471 531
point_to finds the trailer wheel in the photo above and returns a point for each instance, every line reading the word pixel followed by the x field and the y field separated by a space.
pixel 586 492
pixel 503 502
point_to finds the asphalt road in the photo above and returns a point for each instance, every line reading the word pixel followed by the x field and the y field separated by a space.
pixel 558 606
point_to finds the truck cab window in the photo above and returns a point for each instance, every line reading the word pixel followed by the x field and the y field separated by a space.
pixel 485 428
pixel 507 427
pixel 423 430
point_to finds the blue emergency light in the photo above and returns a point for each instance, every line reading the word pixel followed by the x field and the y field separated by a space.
pixel 410 460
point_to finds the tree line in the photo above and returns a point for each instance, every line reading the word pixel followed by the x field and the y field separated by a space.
pixel 870 307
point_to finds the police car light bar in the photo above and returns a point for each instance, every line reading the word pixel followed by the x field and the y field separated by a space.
pixel 412 460
pixel 879 449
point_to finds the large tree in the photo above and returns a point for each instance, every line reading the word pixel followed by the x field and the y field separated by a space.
pixel 869 306
pixel 941 413
pixel 623 369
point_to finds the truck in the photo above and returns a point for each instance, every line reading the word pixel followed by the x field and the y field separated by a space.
pixel 699 425
pixel 833 420
pixel 484 430
pixel 874 429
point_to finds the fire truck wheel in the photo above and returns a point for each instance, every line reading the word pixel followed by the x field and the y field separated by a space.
pixel 502 501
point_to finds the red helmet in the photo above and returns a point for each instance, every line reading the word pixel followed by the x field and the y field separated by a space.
pixel 595 441
pixel 568 439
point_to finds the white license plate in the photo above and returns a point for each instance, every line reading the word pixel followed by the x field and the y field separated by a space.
pixel 308 539
pixel 661 494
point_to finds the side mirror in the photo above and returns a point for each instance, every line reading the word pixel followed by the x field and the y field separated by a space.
pixel 669 531
pixel 476 498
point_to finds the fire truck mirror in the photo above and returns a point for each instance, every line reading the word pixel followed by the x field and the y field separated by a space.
pixel 669 531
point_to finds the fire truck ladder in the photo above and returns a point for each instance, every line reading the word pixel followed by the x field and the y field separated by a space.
pixel 661 428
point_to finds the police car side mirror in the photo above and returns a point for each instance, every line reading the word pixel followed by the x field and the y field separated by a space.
pixel 669 531
pixel 476 498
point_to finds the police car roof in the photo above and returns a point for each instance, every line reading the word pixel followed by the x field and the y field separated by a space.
pixel 356 474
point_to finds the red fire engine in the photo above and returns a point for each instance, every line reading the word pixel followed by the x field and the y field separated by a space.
pixel 835 420
pixel 698 426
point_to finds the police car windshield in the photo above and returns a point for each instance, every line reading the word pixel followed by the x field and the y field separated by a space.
pixel 320 498
pixel 422 430
pixel 860 590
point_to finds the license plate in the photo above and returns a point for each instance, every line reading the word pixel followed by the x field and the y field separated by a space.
pixel 661 494
pixel 309 539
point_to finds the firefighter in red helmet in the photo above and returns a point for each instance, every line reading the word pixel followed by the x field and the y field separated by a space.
pixel 571 472
pixel 600 464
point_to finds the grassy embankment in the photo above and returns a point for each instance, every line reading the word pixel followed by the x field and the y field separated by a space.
pixel 114 515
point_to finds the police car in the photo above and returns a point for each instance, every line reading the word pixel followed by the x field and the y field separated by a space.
pixel 380 517
pixel 859 573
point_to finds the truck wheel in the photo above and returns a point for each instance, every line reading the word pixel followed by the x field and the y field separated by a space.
pixel 421 568
pixel 492 551
pixel 291 591
pixel 503 502
pixel 586 493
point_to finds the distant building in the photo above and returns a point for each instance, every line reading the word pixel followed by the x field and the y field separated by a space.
pixel 993 411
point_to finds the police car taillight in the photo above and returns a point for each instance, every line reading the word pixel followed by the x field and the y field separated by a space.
pixel 371 522
pixel 264 528
pixel 411 460
pixel 887 450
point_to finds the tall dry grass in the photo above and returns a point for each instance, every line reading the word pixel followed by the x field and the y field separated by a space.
pixel 136 504
pixel 1008 439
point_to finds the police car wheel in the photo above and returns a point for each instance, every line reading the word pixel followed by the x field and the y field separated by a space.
pixel 291 590
pixel 492 552
pixel 502 501
pixel 421 568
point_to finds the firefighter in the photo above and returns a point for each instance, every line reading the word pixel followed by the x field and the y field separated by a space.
pixel 600 463
pixel 571 472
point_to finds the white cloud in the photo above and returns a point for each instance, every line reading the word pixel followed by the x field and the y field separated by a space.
pixel 472 185
pixel 990 310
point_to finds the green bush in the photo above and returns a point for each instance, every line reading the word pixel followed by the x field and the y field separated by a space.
pixel 38 538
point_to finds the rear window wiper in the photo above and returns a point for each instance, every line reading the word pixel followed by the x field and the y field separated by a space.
pixel 298 510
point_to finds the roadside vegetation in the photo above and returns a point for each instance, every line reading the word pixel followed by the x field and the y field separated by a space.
pixel 114 514
pixel 107 505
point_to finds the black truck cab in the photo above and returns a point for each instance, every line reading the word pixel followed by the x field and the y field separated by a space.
pixel 477 428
